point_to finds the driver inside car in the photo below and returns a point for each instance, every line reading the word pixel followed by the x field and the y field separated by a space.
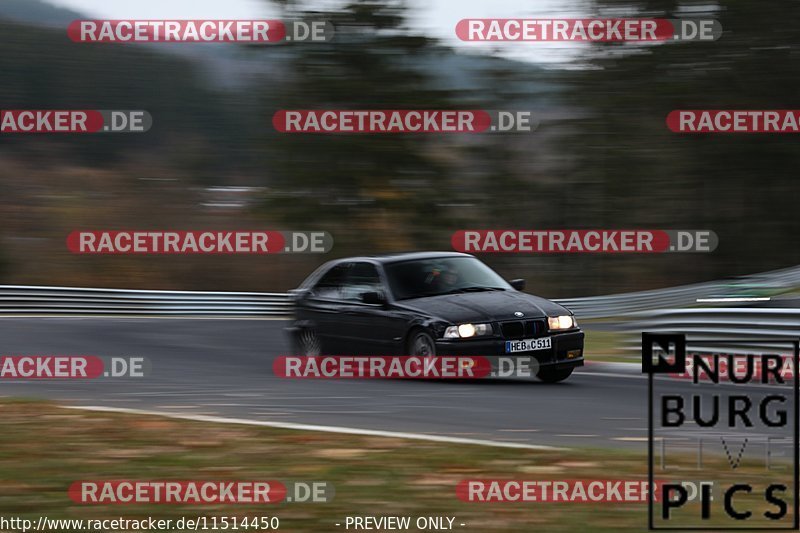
pixel 442 279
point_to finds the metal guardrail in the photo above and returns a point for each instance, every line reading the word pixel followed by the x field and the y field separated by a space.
pixel 616 305
pixel 623 304
pixel 73 301
pixel 720 328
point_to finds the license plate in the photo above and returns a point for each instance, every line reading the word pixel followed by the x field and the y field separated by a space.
pixel 528 345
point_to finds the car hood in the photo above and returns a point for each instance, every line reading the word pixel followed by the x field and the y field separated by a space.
pixel 484 306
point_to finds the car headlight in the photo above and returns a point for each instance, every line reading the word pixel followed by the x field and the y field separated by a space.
pixel 465 331
pixel 561 322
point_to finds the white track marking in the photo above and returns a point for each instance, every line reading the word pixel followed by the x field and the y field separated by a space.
pixel 728 300
pixel 309 427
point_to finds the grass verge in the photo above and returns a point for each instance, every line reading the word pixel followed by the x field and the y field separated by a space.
pixel 44 448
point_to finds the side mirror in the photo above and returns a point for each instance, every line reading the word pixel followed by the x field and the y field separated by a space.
pixel 518 284
pixel 373 297
pixel 299 294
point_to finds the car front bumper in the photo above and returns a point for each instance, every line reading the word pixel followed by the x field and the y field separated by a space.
pixel 566 350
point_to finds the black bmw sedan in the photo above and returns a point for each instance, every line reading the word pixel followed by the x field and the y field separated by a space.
pixel 430 303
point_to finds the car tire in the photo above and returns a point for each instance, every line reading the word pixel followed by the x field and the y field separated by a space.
pixel 554 375
pixel 307 343
pixel 420 344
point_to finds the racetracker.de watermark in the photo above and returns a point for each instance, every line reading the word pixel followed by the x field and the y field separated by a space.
pixel 198 242
pixel 414 367
pixel 199 492
pixel 72 367
pixel 382 121
pixel 588 30
pixel 554 491
pixel 584 241
pixel 259 31
pixel 74 121
pixel 734 121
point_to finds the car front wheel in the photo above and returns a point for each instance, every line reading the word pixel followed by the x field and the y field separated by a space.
pixel 421 344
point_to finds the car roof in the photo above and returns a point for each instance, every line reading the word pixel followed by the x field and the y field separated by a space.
pixel 382 259
pixel 403 256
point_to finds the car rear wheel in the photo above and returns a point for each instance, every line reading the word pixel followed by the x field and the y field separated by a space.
pixel 554 375
pixel 308 343
pixel 421 344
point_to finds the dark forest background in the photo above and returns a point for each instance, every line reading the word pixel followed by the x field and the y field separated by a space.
pixel 602 156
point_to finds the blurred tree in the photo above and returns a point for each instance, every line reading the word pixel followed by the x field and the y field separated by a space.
pixel 382 190
pixel 602 158
pixel 5 264
pixel 41 71
pixel 743 186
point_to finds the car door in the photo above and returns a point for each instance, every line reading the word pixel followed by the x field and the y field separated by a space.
pixel 373 329
pixel 323 306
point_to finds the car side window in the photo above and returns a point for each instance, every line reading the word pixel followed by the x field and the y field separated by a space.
pixel 363 277
pixel 331 283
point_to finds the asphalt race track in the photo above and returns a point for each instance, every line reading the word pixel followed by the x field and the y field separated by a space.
pixel 223 367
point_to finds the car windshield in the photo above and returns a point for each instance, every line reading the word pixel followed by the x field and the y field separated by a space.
pixel 444 275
